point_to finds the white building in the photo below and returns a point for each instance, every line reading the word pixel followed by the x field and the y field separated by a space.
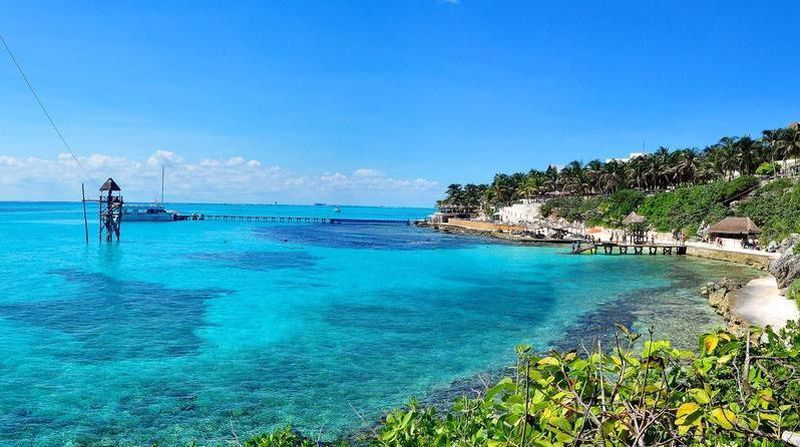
pixel 523 212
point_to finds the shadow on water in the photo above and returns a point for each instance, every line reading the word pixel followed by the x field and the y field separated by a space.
pixel 259 260
pixel 379 237
pixel 115 319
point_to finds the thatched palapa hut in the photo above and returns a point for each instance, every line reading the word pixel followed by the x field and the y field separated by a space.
pixel 636 226
pixel 633 218
pixel 732 231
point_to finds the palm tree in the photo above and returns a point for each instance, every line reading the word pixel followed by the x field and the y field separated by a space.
pixel 551 178
pixel 746 153
pixel 686 166
pixel 612 178
pixel 789 144
pixel 638 172
pixel 472 196
pixel 453 197
pixel 530 186
pixel 573 177
pixel 726 155
pixel 593 170
pixel 772 139
pixel 502 190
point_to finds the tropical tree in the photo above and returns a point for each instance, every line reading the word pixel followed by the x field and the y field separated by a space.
pixel 789 145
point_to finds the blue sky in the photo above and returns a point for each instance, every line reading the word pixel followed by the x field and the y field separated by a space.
pixel 377 102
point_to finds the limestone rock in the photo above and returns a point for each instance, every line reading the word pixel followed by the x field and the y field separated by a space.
pixel 787 268
pixel 718 293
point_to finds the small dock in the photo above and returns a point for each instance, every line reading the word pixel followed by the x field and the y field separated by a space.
pixel 610 248
pixel 291 219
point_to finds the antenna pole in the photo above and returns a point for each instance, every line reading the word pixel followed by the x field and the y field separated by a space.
pixel 85 222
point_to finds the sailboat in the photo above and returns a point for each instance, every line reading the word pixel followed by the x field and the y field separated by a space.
pixel 149 213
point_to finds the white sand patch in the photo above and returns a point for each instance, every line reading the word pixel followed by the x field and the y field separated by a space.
pixel 760 304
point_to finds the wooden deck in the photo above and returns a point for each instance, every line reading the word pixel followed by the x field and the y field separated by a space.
pixel 610 248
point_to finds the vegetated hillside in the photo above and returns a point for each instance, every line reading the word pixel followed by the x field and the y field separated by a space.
pixel 607 211
pixel 687 208
pixel 775 206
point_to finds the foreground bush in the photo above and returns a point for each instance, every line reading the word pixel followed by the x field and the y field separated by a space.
pixel 731 392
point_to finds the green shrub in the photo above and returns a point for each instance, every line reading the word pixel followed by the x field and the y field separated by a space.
pixel 723 395
pixel 687 207
pixel 607 211
pixel 731 392
pixel 284 437
pixel 572 208
pixel 768 169
pixel 618 205
pixel 775 208
pixel 793 292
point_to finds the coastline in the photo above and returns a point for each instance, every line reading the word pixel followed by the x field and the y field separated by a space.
pixel 658 307
pixel 751 258
pixel 490 230
pixel 759 303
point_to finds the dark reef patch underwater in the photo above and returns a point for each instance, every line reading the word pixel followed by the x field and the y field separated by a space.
pixel 259 260
pixel 117 319
pixel 377 237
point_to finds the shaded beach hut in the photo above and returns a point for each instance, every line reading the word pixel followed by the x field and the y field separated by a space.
pixel 733 231
pixel 636 227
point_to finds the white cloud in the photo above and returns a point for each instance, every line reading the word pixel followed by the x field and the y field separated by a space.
pixel 367 173
pixel 234 179
pixel 163 158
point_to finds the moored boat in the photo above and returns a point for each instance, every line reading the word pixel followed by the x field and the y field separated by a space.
pixel 147 213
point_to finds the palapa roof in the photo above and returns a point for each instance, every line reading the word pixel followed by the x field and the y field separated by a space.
pixel 110 185
pixel 633 218
pixel 735 226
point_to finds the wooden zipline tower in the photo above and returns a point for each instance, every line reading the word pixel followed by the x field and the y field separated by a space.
pixel 110 209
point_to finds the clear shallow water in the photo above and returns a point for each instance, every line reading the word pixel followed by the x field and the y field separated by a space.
pixel 187 330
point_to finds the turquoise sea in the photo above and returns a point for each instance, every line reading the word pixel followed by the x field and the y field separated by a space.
pixel 190 331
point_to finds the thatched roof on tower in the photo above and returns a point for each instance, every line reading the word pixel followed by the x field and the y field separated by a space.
pixel 735 226
pixel 633 219
pixel 110 185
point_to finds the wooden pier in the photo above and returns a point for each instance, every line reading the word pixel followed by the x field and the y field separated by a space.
pixel 610 248
pixel 291 219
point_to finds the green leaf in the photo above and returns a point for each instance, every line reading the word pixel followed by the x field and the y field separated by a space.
pixel 548 361
pixel 710 342
pixel 723 417
pixel 700 396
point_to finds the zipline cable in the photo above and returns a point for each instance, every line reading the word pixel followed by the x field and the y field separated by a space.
pixel 46 113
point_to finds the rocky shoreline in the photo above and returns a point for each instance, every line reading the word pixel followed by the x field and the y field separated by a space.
pixel 496 233
pixel 721 296
pixel 728 296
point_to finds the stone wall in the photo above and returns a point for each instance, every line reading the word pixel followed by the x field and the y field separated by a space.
pixel 760 262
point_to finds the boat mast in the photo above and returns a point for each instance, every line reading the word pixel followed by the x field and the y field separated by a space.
pixel 162 184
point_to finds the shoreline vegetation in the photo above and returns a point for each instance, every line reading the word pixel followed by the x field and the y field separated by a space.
pixel 739 387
